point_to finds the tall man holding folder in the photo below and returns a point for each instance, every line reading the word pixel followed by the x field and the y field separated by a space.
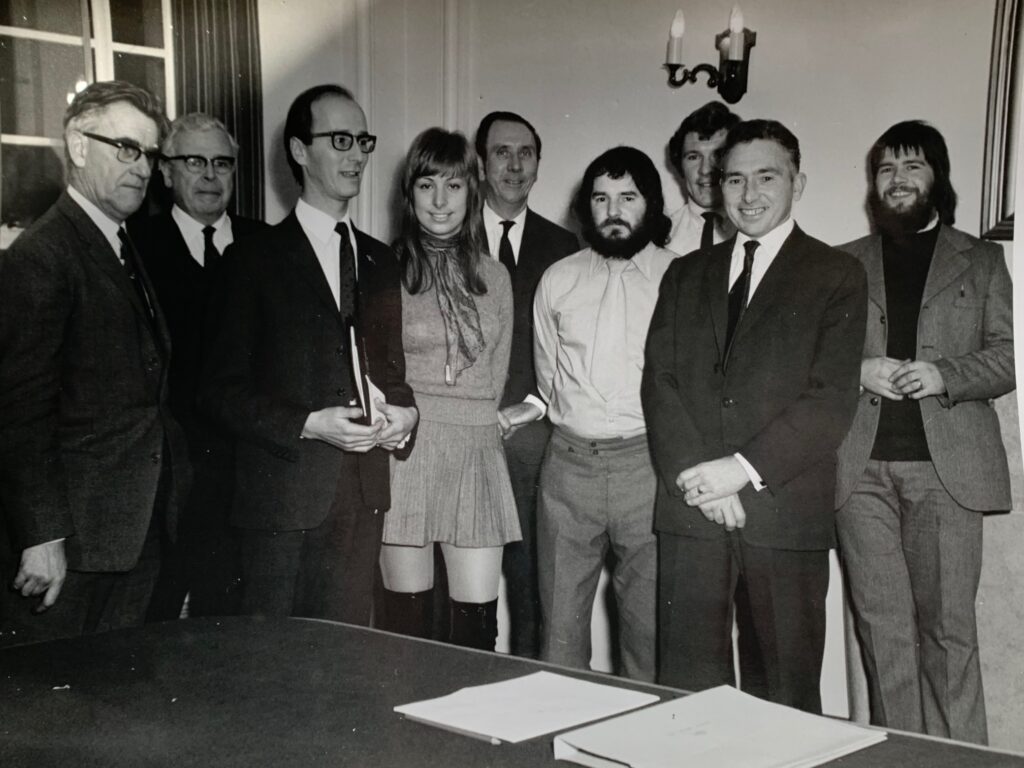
pixel 749 385
pixel 312 477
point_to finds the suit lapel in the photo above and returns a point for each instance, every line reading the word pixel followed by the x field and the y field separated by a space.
pixel 948 263
pixel 871 258
pixel 100 252
pixel 716 291
pixel 306 263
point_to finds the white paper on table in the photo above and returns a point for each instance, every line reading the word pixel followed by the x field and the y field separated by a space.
pixel 524 707
pixel 717 728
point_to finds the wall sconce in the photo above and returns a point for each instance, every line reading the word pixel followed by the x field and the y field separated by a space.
pixel 733 46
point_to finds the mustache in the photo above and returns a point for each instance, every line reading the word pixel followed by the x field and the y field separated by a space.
pixel 900 188
pixel 616 220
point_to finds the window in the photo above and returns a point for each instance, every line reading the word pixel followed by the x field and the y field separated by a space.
pixel 48 51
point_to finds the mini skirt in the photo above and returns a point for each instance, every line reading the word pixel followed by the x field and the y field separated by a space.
pixel 454 487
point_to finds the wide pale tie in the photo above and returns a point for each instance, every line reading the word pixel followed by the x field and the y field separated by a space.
pixel 608 362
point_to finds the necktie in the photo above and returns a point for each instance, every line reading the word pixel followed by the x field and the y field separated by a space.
pixel 505 254
pixel 130 262
pixel 347 271
pixel 707 235
pixel 739 295
pixel 210 252
pixel 608 360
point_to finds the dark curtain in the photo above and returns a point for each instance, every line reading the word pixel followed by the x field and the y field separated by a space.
pixel 217 70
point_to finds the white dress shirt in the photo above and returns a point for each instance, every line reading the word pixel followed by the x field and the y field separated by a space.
pixel 565 312
pixel 326 242
pixel 688 226
pixel 493 228
pixel 192 233
pixel 763 258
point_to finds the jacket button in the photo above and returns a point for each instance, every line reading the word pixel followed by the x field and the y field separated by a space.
pixel 341 350
pixel 728 402
pixel 874 401
pixel 154 457
pixel 341 392
pixel 882 319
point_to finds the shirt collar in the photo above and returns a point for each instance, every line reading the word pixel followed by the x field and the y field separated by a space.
pixel 770 242
pixel 641 260
pixel 189 226
pixel 319 224
pixel 698 211
pixel 492 219
pixel 106 225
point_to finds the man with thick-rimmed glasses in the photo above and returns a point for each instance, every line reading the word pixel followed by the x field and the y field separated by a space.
pixel 90 457
pixel 181 249
pixel 306 303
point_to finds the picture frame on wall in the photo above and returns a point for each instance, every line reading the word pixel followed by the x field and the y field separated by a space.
pixel 1004 99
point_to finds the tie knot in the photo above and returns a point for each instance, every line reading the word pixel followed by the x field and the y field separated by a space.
pixel 750 246
pixel 710 216
pixel 342 229
pixel 209 231
pixel 122 235
pixel 617 266
pixel 506 226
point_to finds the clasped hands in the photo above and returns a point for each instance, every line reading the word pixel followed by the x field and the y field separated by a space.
pixel 713 487
pixel 900 379
pixel 337 426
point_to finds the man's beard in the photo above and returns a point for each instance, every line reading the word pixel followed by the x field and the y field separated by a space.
pixel 897 224
pixel 618 247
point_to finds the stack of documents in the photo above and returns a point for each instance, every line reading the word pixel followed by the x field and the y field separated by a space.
pixel 718 728
pixel 524 707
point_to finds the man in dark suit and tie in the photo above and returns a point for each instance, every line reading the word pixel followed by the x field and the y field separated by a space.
pixel 305 303
pixel 181 249
pixel 527 244
pixel 89 453
pixel 749 386
pixel 924 459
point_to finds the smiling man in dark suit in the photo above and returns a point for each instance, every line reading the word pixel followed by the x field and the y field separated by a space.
pixel 924 458
pixel 749 385
pixel 527 244
pixel 181 249
pixel 312 480
pixel 87 442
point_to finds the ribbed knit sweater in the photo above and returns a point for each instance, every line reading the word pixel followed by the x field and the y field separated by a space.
pixel 474 398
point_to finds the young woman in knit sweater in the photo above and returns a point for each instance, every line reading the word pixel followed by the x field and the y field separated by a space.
pixel 457 330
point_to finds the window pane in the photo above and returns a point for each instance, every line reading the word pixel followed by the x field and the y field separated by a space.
pixel 63 16
pixel 33 177
pixel 35 79
pixel 137 22
pixel 144 71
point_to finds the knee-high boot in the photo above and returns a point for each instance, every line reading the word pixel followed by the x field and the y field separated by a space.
pixel 474 625
pixel 406 613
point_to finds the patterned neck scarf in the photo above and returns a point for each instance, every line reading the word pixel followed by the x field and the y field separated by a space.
pixel 462 335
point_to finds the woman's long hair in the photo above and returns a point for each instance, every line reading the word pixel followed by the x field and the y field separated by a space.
pixel 437 152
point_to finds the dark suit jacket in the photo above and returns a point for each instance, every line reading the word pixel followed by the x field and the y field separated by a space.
pixel 83 395
pixel 279 353
pixel 542 245
pixel 784 398
pixel 184 289
pixel 966 329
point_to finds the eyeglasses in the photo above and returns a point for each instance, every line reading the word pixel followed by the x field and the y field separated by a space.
pixel 127 151
pixel 342 140
pixel 197 164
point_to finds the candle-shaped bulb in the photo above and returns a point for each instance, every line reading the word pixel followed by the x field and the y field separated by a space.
pixel 736 34
pixel 674 54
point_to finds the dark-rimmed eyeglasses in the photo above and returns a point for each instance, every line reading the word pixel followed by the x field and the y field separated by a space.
pixel 342 140
pixel 222 165
pixel 127 150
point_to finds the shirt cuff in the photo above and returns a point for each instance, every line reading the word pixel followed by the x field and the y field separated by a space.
pixel 755 478
pixel 534 400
